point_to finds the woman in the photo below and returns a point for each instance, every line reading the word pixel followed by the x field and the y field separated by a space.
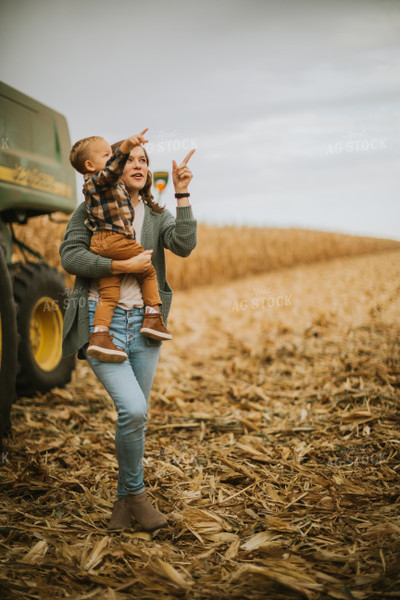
pixel 128 383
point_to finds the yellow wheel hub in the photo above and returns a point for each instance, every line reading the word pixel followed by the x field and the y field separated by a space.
pixel 46 333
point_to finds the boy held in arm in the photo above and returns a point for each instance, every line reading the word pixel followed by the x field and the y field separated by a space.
pixel 110 217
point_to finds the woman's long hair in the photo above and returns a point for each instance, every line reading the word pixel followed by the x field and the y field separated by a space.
pixel 145 192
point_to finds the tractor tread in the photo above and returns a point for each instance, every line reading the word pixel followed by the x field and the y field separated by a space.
pixel 40 280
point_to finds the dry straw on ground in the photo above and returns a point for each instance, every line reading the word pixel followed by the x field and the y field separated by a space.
pixel 272 447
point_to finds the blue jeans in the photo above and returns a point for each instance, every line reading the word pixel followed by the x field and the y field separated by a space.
pixel 129 384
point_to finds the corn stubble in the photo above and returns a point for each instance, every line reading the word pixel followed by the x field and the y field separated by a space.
pixel 272 446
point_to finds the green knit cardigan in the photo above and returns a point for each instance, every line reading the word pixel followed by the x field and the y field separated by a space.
pixel 159 231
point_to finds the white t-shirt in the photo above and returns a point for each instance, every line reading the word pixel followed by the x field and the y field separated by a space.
pixel 130 292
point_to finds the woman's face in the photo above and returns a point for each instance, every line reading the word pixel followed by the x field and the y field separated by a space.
pixel 135 172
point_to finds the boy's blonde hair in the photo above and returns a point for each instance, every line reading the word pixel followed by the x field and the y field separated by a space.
pixel 80 152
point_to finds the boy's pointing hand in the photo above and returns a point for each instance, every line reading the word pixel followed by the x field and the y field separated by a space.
pixel 134 140
pixel 138 139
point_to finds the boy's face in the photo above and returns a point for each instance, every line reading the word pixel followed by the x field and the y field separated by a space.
pixel 99 153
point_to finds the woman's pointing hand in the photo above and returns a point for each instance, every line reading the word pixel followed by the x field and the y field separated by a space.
pixel 181 174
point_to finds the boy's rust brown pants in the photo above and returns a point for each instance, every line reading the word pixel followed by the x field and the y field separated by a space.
pixel 119 247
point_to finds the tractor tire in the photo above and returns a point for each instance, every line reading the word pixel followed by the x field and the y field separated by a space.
pixel 41 297
pixel 8 348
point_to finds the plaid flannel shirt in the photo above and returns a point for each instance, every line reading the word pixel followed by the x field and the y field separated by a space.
pixel 107 202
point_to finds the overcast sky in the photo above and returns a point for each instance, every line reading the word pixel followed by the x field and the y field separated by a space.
pixel 293 106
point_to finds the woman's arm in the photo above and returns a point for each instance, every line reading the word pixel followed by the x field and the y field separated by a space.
pixel 76 257
pixel 136 264
pixel 180 235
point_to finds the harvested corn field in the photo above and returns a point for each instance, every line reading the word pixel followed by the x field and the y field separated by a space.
pixel 272 447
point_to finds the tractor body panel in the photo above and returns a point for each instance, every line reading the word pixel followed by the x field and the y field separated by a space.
pixel 35 174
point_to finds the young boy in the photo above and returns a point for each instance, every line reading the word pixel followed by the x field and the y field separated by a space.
pixel 110 216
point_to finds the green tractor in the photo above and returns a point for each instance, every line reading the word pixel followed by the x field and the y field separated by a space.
pixel 36 178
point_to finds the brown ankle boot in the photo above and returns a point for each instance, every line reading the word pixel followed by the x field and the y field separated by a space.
pixel 145 514
pixel 153 327
pixel 102 347
pixel 120 516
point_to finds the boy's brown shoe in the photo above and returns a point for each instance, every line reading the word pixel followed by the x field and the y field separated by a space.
pixel 103 348
pixel 153 327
